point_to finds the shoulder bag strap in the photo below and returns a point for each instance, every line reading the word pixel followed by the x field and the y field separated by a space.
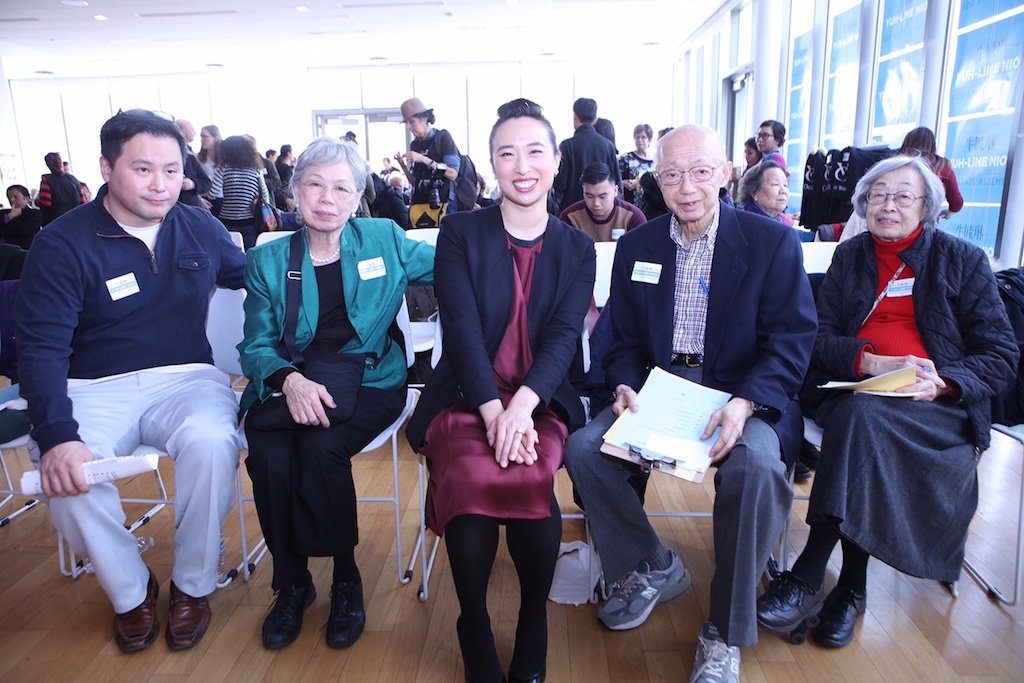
pixel 293 299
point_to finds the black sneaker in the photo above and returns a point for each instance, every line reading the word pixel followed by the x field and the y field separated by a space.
pixel 347 619
pixel 284 622
pixel 839 615
pixel 787 603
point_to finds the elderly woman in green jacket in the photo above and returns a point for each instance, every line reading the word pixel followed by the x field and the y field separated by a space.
pixel 349 276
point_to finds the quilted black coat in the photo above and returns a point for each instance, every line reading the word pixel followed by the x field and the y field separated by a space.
pixel 959 314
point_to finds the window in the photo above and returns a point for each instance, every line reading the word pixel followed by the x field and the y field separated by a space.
pixel 897 104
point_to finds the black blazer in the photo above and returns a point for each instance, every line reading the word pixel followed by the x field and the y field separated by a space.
pixel 761 322
pixel 473 280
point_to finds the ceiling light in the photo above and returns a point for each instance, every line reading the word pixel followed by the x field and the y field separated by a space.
pixel 99 17
pixel 74 3
pixel 301 8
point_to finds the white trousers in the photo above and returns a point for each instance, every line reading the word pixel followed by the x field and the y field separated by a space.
pixel 191 413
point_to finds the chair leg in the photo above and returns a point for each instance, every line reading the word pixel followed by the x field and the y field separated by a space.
pixel 993 592
pixel 427 564
pixel 10 493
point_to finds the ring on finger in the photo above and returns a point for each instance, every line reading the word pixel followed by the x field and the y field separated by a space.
pixel 519 431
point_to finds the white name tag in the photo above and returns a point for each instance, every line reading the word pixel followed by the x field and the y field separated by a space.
pixel 649 273
pixel 371 269
pixel 122 286
pixel 901 288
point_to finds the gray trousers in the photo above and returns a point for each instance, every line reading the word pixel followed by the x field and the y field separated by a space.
pixel 190 412
pixel 753 497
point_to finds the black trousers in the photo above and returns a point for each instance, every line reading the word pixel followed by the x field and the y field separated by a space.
pixel 302 483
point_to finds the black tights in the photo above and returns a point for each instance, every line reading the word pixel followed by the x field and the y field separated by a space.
pixel 810 566
pixel 472 542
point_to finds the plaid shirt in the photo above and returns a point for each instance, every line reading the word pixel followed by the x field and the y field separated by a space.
pixel 693 265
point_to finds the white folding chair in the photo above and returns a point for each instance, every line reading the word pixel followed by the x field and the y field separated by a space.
pixel 265 237
pixel 603 283
pixel 236 237
pixel 428 235
pixel 10 492
pixel 974 571
pixel 224 331
pixel 11 400
pixel 253 556
pixel 818 255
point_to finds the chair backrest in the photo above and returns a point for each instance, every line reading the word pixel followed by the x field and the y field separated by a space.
pixel 428 235
pixel 818 255
pixel 405 325
pixel 236 237
pixel 435 353
pixel 224 328
pixel 265 237
pixel 603 283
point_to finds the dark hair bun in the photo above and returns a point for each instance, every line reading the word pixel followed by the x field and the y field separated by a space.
pixel 520 108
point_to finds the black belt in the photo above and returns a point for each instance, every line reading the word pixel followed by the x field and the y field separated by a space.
pixel 690 360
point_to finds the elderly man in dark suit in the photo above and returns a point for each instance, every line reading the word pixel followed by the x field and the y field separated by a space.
pixel 718 297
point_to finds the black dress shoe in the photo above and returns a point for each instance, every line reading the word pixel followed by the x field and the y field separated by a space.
pixel 347 619
pixel 787 602
pixel 284 622
pixel 839 615
pixel 537 678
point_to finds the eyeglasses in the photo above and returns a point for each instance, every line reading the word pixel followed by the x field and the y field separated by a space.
pixel 698 174
pixel 762 135
pixel 317 188
pixel 901 199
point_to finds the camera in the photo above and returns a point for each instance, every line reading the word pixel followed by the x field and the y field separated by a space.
pixel 435 183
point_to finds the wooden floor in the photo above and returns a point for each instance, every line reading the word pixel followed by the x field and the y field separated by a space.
pixel 54 628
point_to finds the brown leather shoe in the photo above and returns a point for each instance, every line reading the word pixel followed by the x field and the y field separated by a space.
pixel 136 630
pixel 187 619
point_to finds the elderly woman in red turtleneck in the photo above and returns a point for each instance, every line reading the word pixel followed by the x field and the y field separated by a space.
pixel 897 477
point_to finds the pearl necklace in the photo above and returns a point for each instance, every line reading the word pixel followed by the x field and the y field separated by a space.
pixel 325 260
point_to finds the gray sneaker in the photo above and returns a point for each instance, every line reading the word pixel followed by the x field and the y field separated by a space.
pixel 634 597
pixel 716 662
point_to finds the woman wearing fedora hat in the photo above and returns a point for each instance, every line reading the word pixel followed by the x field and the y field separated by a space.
pixel 432 155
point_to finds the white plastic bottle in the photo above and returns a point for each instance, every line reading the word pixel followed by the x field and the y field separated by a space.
pixel 222 564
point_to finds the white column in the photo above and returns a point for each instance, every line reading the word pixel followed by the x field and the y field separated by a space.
pixel 769 67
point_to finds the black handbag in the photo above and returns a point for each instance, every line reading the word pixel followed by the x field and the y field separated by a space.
pixel 341 374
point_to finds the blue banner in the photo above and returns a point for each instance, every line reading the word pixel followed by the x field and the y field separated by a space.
pixel 902 25
pixel 977 151
pixel 845 40
pixel 987 68
pixel 898 96
pixel 976 224
pixel 973 11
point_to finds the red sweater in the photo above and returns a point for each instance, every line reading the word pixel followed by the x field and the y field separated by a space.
pixel 891 328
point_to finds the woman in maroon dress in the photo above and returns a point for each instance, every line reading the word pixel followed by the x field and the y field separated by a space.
pixel 513 286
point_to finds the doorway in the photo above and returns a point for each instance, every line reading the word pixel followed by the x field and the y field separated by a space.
pixel 379 132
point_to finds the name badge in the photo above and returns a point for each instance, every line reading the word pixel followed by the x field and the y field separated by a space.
pixel 371 269
pixel 901 288
pixel 122 286
pixel 648 273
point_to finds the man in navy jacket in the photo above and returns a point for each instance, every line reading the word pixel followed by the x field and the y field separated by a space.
pixel 718 297
pixel 113 352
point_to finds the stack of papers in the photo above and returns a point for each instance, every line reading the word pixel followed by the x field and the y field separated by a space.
pixel 665 434
pixel 885 384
